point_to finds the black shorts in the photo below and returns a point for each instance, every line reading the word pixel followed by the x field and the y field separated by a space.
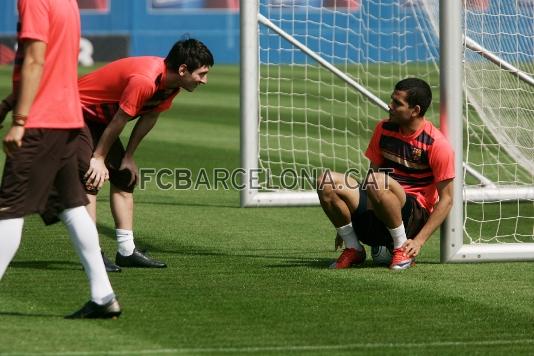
pixel 372 231
pixel 42 173
pixel 90 135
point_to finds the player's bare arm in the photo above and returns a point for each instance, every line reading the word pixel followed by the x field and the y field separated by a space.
pixel 31 73
pixel 97 173
pixel 142 127
pixel 438 215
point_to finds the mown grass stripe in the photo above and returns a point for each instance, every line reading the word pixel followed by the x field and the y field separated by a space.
pixel 290 348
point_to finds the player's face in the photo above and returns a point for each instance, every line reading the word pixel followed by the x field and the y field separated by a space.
pixel 191 80
pixel 400 111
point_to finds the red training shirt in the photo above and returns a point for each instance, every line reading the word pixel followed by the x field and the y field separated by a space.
pixel 57 23
pixel 419 160
pixel 134 84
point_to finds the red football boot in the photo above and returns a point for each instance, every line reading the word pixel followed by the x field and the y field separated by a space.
pixel 349 257
pixel 400 260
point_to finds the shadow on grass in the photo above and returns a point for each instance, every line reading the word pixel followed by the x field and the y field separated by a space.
pixel 48 265
pixel 322 263
pixel 188 204
pixel 292 260
pixel 105 230
pixel 286 260
pixel 39 315
pixel 318 263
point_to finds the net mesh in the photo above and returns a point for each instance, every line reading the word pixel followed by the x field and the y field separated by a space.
pixel 500 117
pixel 310 120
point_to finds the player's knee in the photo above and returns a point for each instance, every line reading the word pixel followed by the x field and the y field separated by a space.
pixel 375 196
pixel 377 188
pixel 377 181
pixel 319 182
pixel 325 184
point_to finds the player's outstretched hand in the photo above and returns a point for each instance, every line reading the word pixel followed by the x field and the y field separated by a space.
pixel 97 174
pixel 412 247
pixel 338 242
pixel 13 139
pixel 129 164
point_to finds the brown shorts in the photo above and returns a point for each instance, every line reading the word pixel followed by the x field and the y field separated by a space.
pixel 42 173
pixel 372 231
pixel 90 135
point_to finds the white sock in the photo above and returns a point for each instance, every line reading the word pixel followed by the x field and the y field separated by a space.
pixel 84 237
pixel 349 237
pixel 398 235
pixel 125 242
pixel 10 234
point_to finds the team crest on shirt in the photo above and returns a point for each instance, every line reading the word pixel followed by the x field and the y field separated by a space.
pixel 416 153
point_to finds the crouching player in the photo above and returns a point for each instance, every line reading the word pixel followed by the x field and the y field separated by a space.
pixel 408 193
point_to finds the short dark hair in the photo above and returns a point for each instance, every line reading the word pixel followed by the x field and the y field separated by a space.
pixel 419 93
pixel 193 53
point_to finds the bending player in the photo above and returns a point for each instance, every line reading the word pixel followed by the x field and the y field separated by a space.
pixel 408 192
pixel 126 89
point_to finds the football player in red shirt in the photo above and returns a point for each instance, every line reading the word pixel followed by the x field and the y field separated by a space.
pixel 41 144
pixel 408 192
pixel 134 88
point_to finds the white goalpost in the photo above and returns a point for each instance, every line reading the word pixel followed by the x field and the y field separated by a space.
pixel 315 75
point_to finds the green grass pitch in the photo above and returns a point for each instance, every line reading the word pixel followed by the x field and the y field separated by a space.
pixel 249 281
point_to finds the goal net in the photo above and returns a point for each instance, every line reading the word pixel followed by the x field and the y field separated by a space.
pixel 324 73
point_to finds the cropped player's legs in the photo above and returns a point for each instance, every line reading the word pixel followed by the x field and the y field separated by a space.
pixel 10 235
pixel 81 228
pixel 387 197
pixel 84 237
pixel 339 197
